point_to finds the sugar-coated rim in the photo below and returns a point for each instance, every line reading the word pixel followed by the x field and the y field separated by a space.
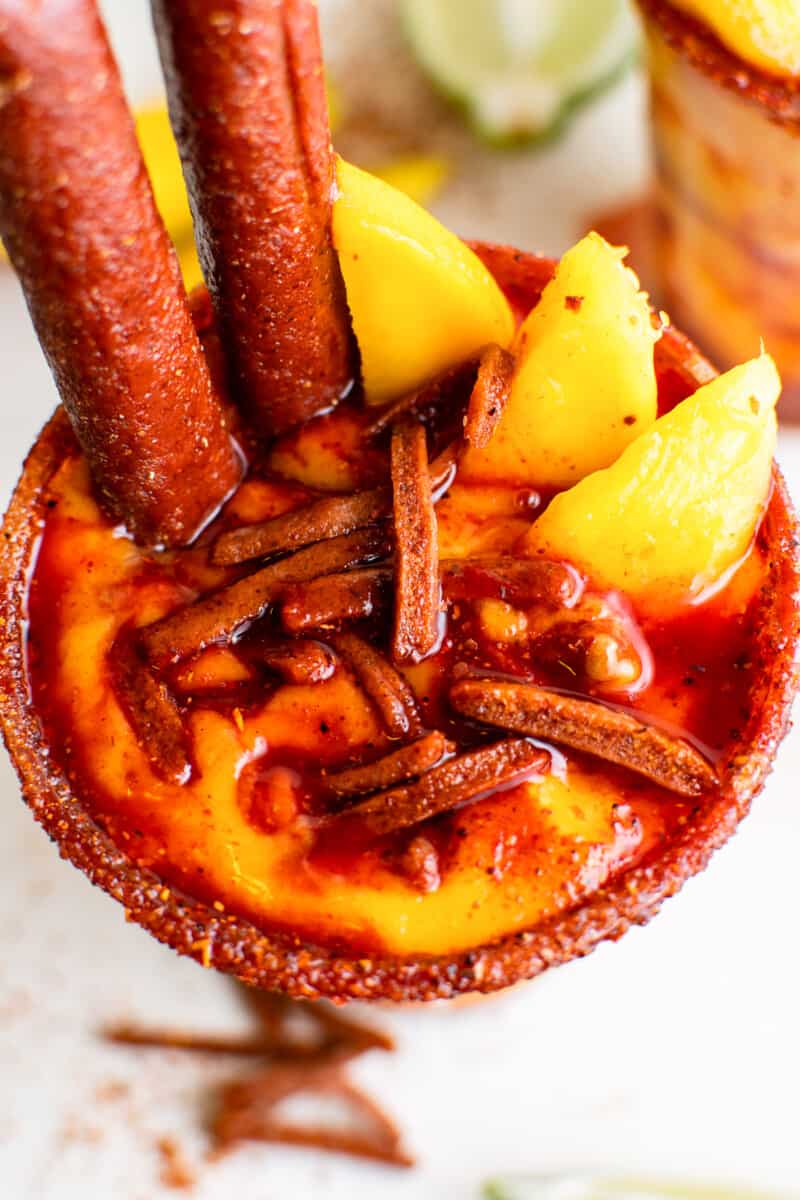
pixel 700 46
pixel 272 961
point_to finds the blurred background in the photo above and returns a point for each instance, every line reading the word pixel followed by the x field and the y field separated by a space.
pixel 675 1052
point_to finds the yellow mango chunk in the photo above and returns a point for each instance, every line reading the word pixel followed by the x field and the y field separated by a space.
pixel 163 164
pixel 420 299
pixel 765 33
pixel 420 176
pixel 681 505
pixel 585 384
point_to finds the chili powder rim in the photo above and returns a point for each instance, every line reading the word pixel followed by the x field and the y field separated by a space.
pixel 699 46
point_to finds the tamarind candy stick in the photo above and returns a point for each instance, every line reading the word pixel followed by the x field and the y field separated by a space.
pixel 417 594
pixel 247 101
pixel 433 394
pixel 489 395
pixel 325 518
pixel 100 276
pixel 151 711
pixel 222 614
pixel 333 600
pixel 588 726
pixel 455 783
pixel 386 688
pixel 405 763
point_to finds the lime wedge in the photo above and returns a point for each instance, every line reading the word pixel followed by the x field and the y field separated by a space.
pixel 589 1187
pixel 520 68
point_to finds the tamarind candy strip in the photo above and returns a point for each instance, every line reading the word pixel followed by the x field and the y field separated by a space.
pixel 221 615
pixel 405 763
pixel 516 580
pixel 333 600
pixel 585 725
pixel 296 661
pixel 489 395
pixel 247 102
pixel 101 279
pixel 386 688
pixel 328 517
pixel 433 394
pixel 456 782
pixel 151 711
pixel 415 630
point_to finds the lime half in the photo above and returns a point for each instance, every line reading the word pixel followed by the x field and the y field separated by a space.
pixel 588 1187
pixel 519 68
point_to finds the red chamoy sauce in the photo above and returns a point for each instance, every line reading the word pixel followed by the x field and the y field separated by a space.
pixel 247 794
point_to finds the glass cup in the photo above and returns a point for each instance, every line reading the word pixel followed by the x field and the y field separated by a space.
pixel 726 139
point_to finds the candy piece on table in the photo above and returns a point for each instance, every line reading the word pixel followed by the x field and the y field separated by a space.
pixel 585 384
pixel 415 631
pixel 420 300
pixel 680 507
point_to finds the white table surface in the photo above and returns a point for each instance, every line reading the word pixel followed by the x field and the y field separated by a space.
pixel 676 1050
